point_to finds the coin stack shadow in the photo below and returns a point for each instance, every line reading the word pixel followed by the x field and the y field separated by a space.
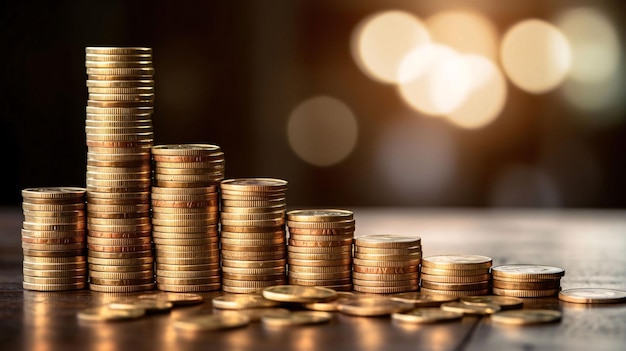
pixel 185 216
pixel 53 239
pixel 456 275
pixel 320 248
pixel 253 233
pixel 526 280
pixel 119 137
pixel 385 264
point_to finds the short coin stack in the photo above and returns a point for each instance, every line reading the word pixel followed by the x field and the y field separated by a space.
pixel 320 248
pixel 456 275
pixel 119 138
pixel 253 233
pixel 185 216
pixel 526 280
pixel 386 264
pixel 53 239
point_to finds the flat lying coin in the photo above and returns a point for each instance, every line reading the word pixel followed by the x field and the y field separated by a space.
pixel 297 318
pixel 212 322
pixel 301 294
pixel 256 314
pixel 107 314
pixel 330 306
pixel 242 301
pixel 373 306
pixel 505 302
pixel 461 307
pixel 423 300
pixel 426 315
pixel 525 317
pixel 593 295
pixel 177 299
pixel 150 306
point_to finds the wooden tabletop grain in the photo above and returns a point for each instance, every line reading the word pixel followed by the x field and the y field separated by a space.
pixel 590 245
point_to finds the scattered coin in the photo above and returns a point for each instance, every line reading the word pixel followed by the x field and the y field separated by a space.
pixel 593 295
pixel 419 299
pixel 373 306
pixel 256 314
pixel 301 294
pixel 505 302
pixel 526 316
pixel 297 318
pixel 150 306
pixel 426 315
pixel 212 322
pixel 330 306
pixel 176 299
pixel 242 301
pixel 461 307
pixel 107 314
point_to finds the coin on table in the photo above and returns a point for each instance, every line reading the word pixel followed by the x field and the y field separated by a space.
pixel 457 261
pixel 242 301
pixel 461 307
pixel 297 318
pixel 319 215
pixel 527 271
pixel 212 322
pixel 525 317
pixel 176 299
pixel 387 241
pixel 505 302
pixel 419 299
pixel 256 314
pixel 150 306
pixel 106 314
pixel 301 294
pixel 330 306
pixel 426 316
pixel 373 306
pixel 593 295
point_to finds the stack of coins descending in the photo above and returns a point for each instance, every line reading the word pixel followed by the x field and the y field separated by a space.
pixel 253 233
pixel 320 248
pixel 119 138
pixel 53 239
pixel 185 216
pixel 527 280
pixel 456 275
pixel 386 264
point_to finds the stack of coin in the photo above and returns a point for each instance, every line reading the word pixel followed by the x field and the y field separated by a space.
pixel 119 138
pixel 456 275
pixel 320 248
pixel 386 264
pixel 526 280
pixel 53 239
pixel 253 233
pixel 185 216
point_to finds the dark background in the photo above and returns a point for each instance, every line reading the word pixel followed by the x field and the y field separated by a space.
pixel 231 72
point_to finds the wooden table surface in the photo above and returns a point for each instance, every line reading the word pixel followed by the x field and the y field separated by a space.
pixel 590 245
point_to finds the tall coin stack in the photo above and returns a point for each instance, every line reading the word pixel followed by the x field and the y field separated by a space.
pixel 526 280
pixel 119 138
pixel 185 216
pixel 253 233
pixel 53 239
pixel 386 264
pixel 457 275
pixel 320 248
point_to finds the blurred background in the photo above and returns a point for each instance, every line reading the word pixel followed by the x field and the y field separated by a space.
pixel 479 103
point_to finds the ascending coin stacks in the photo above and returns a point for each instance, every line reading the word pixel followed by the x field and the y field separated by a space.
pixel 253 233
pixel 456 275
pixel 526 280
pixel 119 138
pixel 53 239
pixel 185 216
pixel 386 264
pixel 320 248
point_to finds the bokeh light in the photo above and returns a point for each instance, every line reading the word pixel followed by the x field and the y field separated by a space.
pixel 536 56
pixel 464 31
pixel 486 98
pixel 435 79
pixel 382 40
pixel 322 131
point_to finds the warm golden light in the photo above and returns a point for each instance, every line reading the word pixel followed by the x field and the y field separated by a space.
pixel 381 41
pixel 435 79
pixel 322 131
pixel 464 31
pixel 486 98
pixel 536 56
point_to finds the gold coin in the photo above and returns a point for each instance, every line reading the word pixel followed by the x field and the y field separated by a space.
pixel 253 223
pixel 118 57
pixel 120 282
pixel 386 263
pixel 107 314
pixel 187 281
pixel 551 284
pixel 426 316
pixel 526 316
pixel 345 274
pixel 457 293
pixel 53 227
pixel 119 242
pixel 53 241
pixel 253 263
pixel 146 274
pixel 384 290
pixel 53 253
pixel 525 293
pixel 186 261
pixel 49 248
pixel 319 215
pixel 322 238
pixel 255 184
pixel 277 206
pixel 76 214
pixel 505 302
pixel 331 231
pixel 405 257
pixel 527 271
pixel 183 204
pixel 54 273
pixel 253 242
pixel 382 251
pixel 176 299
pixel 318 250
pixel 183 242
pixel 592 295
pixel 117 64
pixel 277 248
pixel 122 262
pixel 119 268
pixel 53 207
pixel 256 314
pixel 120 254
pixel 132 71
pixel 69 260
pixel 254 271
pixel 455 286
pixel 311 243
pixel 457 262
pixel 301 294
pixel 54 193
pixel 332 256
pixel 386 283
pixel 456 279
pixel 321 225
pixel 237 302
pixel 150 306
pixel 198 273
pixel 122 90
pixel 318 263
pixel 373 306
pixel 188 288
pixel 454 272
pixel 420 299
pixel 464 308
pixel 118 50
pixel 53 287
pixel 55 280
pixel 330 306
pixel 120 112
pixel 121 288
pixel 297 318
pixel 185 149
pixel 212 322
pixel 385 270
pixel 188 232
pixel 192 267
pixel 54 267
pixel 252 256
pixel 385 277
pixel 254 277
pixel 387 241
pixel 239 290
pixel 253 216
pixel 258 284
